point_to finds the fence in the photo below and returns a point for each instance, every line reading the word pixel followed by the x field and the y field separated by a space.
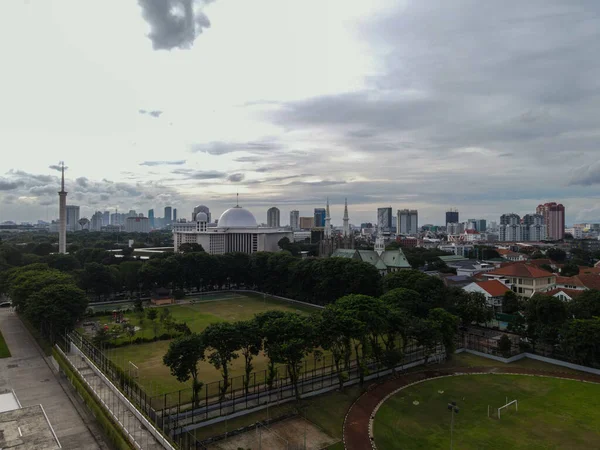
pixel 176 416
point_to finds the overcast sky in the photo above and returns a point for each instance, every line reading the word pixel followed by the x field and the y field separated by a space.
pixel 488 107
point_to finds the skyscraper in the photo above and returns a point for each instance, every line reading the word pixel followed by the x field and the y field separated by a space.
pixel 384 219
pixel 168 216
pixel 151 217
pixel 106 218
pixel 295 219
pixel 72 218
pixel 452 216
pixel 174 214
pixel 320 214
pixel 62 212
pixel 554 216
pixel 408 221
pixel 273 217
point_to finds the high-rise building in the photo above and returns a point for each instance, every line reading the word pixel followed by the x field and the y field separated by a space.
pixel 168 215
pixel 306 223
pixel 137 225
pixel 106 218
pixel 62 213
pixel 384 219
pixel 554 217
pixel 295 219
pixel 273 217
pixel 201 208
pixel 151 217
pixel 408 221
pixel 451 216
pixel 174 214
pixel 320 214
pixel 96 221
pixel 481 225
pixel 73 218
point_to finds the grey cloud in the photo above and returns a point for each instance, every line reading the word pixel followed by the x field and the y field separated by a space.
pixel 174 23
pixel 8 185
pixel 56 167
pixel 586 175
pixel 199 174
pixel 236 177
pixel 154 113
pixel 104 197
pixel 43 190
pixel 178 162
pixel 248 159
pixel 221 148
pixel 82 181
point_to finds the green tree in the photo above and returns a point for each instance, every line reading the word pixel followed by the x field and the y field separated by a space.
pixel 182 359
pixel 98 278
pixel 505 346
pixel 129 331
pixel 406 299
pixel 586 305
pixel 249 341
pixel 191 248
pixel 471 307
pixel 221 341
pixel 545 317
pixel 581 340
pixel 569 270
pixel 510 302
pixel 446 325
pixel 152 315
pixel 268 337
pixel 556 254
pixel 101 338
pixel 130 275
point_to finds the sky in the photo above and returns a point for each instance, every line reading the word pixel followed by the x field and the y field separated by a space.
pixel 487 107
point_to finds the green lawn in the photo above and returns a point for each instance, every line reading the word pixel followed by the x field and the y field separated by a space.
pixel 553 414
pixel 156 378
pixel 4 351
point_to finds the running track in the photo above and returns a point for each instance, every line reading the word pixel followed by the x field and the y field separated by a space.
pixel 356 423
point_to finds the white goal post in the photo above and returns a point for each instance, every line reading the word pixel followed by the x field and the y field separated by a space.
pixel 515 402
pixel 133 370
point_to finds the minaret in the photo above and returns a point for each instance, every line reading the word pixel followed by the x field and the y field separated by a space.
pixel 62 215
pixel 327 222
pixel 346 224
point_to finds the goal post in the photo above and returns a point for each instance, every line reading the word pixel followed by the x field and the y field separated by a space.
pixel 514 402
pixel 134 371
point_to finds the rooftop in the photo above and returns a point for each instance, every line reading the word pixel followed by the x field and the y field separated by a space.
pixel 521 270
pixel 493 287
pixel 27 429
pixel 570 292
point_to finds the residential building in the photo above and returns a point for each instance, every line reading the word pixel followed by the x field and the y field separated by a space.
pixel 465 266
pixel 201 208
pixel 137 225
pixel 295 219
pixel 319 217
pixel 565 294
pixel 168 215
pixel 408 221
pixel 306 223
pixel 452 216
pixel 106 218
pixel 509 255
pixel 554 216
pixel 524 279
pixel 576 232
pixel 73 218
pixel 510 228
pixel 273 217
pixel 492 290
pixel 174 215
pixel 453 228
pixel 384 219
pixel 237 231
pixel 151 217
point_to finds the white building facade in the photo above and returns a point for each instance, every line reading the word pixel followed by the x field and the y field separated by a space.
pixel 408 221
pixel 137 225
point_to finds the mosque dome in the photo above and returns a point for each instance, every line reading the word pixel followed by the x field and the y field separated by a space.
pixel 201 217
pixel 237 217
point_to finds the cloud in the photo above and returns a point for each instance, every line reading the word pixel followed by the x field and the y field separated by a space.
pixel 174 23
pixel 586 175
pixel 154 113
pixel 178 162
pixel 236 177
pixel 248 159
pixel 7 185
pixel 199 174
pixel 221 148
pixel 82 181
pixel 56 167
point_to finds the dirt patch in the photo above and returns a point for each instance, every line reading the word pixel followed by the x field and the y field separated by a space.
pixel 288 434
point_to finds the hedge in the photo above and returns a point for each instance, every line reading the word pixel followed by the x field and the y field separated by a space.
pixel 111 429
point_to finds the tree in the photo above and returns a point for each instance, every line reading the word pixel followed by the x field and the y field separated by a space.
pixel 586 305
pixel 222 342
pixel 446 325
pixel 98 278
pixel 152 315
pixel 505 346
pixel 129 330
pixel 471 307
pixel 268 336
pixel 191 248
pixel 510 302
pixel 130 275
pixel 426 334
pixel 406 299
pixel 296 339
pixel 182 359
pixel 249 341
pixel 286 245
pixel 545 317
pixel 556 254
pixel 569 270
pixel 547 268
pixel 56 308
pixel 580 339
pixel 101 337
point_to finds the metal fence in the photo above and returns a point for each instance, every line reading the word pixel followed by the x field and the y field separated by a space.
pixel 175 415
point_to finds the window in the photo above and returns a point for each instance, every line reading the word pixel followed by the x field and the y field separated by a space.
pixel 520 280
pixel 520 290
pixel 549 280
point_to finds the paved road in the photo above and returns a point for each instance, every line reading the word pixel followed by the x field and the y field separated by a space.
pixel 28 373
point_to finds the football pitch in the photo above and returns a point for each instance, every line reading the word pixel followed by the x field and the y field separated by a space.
pixel 155 377
pixel 552 414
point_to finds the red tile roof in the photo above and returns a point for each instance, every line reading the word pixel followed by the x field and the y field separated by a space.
pixel 493 287
pixel 586 269
pixel 590 281
pixel 570 292
pixel 521 270
pixel 570 281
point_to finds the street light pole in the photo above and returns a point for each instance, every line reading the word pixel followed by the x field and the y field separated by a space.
pixel 453 409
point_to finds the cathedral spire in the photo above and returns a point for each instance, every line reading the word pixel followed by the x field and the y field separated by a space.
pixel 346 219
pixel 327 222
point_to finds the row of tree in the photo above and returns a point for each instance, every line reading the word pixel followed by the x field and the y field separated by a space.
pixel 362 327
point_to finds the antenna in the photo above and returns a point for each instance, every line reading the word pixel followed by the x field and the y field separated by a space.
pixel 237 200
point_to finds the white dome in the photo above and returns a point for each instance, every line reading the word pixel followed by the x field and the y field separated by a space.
pixel 201 217
pixel 237 217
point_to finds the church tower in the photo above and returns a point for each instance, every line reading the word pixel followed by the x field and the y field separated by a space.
pixel 327 222
pixel 379 243
pixel 62 213
pixel 346 220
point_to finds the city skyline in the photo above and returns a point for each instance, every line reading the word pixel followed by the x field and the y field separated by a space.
pixel 357 108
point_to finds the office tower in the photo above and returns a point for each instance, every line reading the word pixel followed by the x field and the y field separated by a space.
pixel 295 219
pixel 175 215
pixel 481 225
pixel 554 217
pixel 106 218
pixel 384 219
pixel 451 216
pixel 96 221
pixel 62 213
pixel 137 225
pixel 273 217
pixel 151 217
pixel 320 214
pixel 168 215
pixel 408 221
pixel 201 208
pixel 72 218
pixel 306 223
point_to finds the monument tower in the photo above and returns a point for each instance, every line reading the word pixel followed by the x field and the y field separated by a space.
pixel 62 214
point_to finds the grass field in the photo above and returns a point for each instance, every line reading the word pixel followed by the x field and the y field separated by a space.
pixel 155 377
pixel 553 414
pixel 4 351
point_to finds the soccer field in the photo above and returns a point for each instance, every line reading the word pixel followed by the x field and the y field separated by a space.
pixel 552 414
pixel 155 377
